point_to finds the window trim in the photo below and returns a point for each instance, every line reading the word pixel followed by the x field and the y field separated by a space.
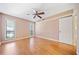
pixel 6 38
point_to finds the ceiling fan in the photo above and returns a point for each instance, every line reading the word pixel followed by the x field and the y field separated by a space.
pixel 37 14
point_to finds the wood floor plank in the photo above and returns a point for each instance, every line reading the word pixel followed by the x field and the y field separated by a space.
pixel 36 46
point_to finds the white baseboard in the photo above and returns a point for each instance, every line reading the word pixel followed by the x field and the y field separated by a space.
pixel 48 38
pixel 14 40
pixel 21 38
pixel 53 40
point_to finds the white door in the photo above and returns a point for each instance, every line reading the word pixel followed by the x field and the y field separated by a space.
pixel 65 30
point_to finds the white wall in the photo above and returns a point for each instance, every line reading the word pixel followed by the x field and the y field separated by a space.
pixel 21 28
pixel 0 28
pixel 47 29
pixel 78 36
pixel 77 14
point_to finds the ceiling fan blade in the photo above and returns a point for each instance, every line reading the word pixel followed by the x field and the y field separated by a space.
pixel 41 13
pixel 39 16
pixel 34 11
pixel 34 16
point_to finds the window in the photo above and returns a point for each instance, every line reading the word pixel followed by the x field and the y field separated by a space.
pixel 10 29
pixel 32 29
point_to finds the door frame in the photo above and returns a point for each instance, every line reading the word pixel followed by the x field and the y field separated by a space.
pixel 72 27
pixel 74 21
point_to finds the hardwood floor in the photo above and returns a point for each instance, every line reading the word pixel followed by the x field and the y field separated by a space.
pixel 36 46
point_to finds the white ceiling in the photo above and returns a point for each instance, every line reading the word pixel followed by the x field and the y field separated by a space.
pixel 21 9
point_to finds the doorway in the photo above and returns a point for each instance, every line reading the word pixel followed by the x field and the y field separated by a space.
pixel 66 30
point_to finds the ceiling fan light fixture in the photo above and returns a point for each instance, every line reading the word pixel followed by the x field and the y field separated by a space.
pixel 37 13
